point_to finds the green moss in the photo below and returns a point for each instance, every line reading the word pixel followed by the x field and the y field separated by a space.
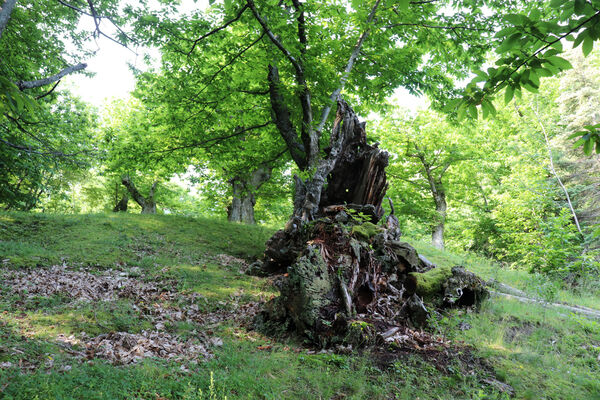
pixel 366 230
pixel 429 284
pixel 306 291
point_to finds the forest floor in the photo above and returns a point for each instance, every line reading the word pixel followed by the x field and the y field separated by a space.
pixel 158 307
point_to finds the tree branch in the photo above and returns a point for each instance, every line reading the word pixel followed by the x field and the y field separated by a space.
pixel 548 45
pixel 97 18
pixel 566 192
pixel 309 138
pixel 225 25
pixel 211 140
pixel 448 27
pixel 46 81
pixel 334 96
pixel 5 13
pixel 238 55
pixel 283 121
pixel 48 92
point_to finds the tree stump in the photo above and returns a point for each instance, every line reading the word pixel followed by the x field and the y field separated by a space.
pixel 349 279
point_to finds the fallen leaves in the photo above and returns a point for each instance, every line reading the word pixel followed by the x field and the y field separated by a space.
pixel 81 285
pixel 150 299
pixel 128 348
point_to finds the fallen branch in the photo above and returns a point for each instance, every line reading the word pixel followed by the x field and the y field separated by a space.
pixel 587 312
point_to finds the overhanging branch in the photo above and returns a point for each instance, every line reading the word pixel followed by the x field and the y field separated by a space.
pixel 220 28
pixel 334 96
pixel 22 85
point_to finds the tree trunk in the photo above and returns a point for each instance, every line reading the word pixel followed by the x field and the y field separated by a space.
pixel 353 172
pixel 121 206
pixel 437 235
pixel 244 200
pixel 147 203
pixel 242 205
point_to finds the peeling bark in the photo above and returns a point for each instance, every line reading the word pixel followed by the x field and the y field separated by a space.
pixel 353 170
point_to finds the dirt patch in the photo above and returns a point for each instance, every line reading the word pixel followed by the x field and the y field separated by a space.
pixel 231 261
pixel 518 332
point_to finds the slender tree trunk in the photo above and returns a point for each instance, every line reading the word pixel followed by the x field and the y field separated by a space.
pixel 564 189
pixel 148 203
pixel 5 13
pixel 437 235
pixel 244 200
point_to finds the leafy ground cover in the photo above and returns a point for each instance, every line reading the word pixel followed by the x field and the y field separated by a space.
pixel 182 284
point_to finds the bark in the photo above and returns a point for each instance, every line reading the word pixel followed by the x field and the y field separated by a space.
pixel 438 193
pixel 353 170
pixel 121 206
pixel 148 203
pixel 51 79
pixel 5 13
pixel 437 235
pixel 244 200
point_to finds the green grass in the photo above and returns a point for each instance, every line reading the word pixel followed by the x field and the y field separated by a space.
pixel 111 240
pixel 542 354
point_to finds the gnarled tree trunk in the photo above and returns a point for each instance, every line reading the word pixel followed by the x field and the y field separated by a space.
pixel 353 172
pixel 148 203
pixel 244 189
pixel 347 280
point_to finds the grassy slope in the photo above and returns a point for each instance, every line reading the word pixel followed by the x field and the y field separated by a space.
pixel 540 353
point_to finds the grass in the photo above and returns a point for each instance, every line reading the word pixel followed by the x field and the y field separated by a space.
pixel 540 353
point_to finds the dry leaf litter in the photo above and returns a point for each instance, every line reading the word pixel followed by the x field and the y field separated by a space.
pixel 150 299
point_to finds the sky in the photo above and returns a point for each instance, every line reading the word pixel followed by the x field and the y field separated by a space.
pixel 113 77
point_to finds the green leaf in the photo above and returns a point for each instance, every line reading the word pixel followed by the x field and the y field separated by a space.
pixel 559 62
pixel 472 110
pixel 588 46
pixel 577 134
pixel 579 39
pixel 579 143
pixel 530 87
pixel 579 6
pixel 515 19
pixel 403 4
pixel 587 147
pixel 557 3
pixel 509 94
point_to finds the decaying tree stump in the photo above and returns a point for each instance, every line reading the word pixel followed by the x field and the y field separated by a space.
pixel 348 278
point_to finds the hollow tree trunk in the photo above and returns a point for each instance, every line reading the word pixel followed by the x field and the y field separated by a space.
pixel 148 203
pixel 244 199
pixel 346 280
pixel 353 172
